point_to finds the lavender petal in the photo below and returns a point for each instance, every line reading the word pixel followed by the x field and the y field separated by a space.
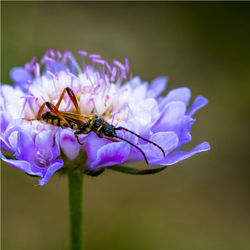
pixel 69 144
pixel 21 164
pixel 20 75
pixel 170 117
pixel 182 155
pixel 199 102
pixel 26 147
pixel 106 155
pixel 157 86
pixel 180 94
pixel 50 171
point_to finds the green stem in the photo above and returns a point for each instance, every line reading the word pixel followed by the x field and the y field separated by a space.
pixel 76 209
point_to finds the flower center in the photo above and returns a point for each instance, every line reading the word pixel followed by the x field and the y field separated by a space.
pixel 97 85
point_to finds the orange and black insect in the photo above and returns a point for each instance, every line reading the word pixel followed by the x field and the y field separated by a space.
pixel 83 123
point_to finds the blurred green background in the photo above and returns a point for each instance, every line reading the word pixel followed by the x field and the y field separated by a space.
pixel 200 203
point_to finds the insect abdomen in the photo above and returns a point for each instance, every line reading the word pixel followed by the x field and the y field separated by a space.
pixel 54 120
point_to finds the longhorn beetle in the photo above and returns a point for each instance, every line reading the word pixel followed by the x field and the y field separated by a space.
pixel 84 123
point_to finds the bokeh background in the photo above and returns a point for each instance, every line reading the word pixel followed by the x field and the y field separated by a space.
pixel 199 204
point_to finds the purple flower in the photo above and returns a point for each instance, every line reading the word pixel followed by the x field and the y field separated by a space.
pixel 35 150
pixel 101 89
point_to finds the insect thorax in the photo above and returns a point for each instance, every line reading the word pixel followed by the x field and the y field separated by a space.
pixel 98 126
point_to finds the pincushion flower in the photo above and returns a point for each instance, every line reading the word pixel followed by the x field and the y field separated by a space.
pixel 101 89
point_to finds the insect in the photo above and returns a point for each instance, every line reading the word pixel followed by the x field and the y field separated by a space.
pixel 84 123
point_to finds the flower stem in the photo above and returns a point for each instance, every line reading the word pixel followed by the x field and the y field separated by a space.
pixel 76 209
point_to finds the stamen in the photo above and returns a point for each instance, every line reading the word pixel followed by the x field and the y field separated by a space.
pixel 124 76
pixel 29 65
pixel 54 77
pixel 93 102
pixel 119 65
pixel 59 54
pixel 51 74
pixel 119 79
pixel 114 71
pixel 106 100
pixel 108 67
pixel 94 56
pixel 67 55
pixel 37 105
pixel 52 53
pixel 96 88
pixel 74 64
pixel 113 114
pixel 106 78
pixel 97 76
pixel 27 100
pixel 37 70
pixel 49 59
pixel 72 75
pixel 42 61
pixel 126 64
pixel 85 69
pixel 99 61
pixel 32 61
pixel 83 53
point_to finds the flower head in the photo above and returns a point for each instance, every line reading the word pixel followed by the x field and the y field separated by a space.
pixel 102 90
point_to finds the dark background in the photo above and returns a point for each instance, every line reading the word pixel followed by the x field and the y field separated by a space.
pixel 199 204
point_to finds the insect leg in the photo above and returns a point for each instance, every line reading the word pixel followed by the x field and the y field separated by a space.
pixel 77 138
pixel 39 114
pixel 111 139
pixel 72 98
pixel 60 99
pixel 54 110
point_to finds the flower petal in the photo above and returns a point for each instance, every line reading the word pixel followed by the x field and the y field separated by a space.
pixel 5 145
pixel 146 111
pixel 180 94
pixel 69 144
pixel 171 117
pixel 138 89
pixel 44 140
pixel 181 155
pixel 5 118
pixel 199 102
pixel 26 147
pixel 50 171
pixel 20 75
pixel 157 86
pixel 93 144
pixel 106 155
pixel 168 141
pixel 184 134
pixel 21 164
pixel 13 140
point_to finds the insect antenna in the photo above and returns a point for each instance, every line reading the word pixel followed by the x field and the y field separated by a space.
pixel 133 146
pixel 122 128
